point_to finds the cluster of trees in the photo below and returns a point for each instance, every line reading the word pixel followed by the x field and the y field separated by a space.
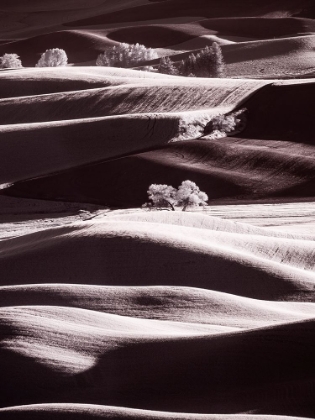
pixel 122 55
pixel 125 55
pixel 164 196
pixel 54 57
pixel 208 62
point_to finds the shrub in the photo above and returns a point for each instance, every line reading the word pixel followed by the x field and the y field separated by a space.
pixel 166 66
pixel 10 61
pixel 125 55
pixel 54 57
pixel 231 122
pixel 223 125
pixel 216 134
pixel 187 195
pixel 148 68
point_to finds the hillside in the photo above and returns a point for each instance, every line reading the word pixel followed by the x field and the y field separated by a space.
pixel 266 161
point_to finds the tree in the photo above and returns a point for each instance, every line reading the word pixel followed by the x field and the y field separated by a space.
pixel 205 63
pixel 54 57
pixel 188 66
pixel 166 66
pixel 161 195
pixel 125 55
pixel 105 59
pixel 219 65
pixel 208 62
pixel 187 195
pixel 10 61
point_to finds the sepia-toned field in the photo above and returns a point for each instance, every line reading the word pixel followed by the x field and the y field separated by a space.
pixel 109 310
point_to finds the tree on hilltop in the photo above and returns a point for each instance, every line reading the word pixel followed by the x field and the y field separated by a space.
pixel 54 57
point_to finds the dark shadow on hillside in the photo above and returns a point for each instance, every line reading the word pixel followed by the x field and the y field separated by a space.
pixel 205 8
pixel 282 113
pixel 268 371
pixel 231 169
pixel 137 261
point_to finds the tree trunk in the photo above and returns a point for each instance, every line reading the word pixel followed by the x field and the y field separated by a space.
pixel 172 205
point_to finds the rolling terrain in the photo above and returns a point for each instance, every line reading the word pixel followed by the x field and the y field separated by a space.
pixel 111 311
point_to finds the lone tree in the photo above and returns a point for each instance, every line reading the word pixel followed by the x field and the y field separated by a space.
pixel 187 195
pixel 54 57
pixel 166 66
pixel 12 61
pixel 125 55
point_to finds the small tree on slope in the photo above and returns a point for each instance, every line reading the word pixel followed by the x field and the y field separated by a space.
pixel 10 61
pixel 54 57
pixel 187 195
